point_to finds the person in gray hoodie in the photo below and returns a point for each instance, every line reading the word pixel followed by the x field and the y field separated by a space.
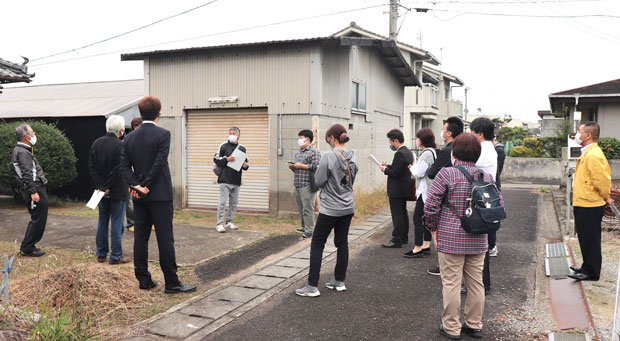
pixel 335 177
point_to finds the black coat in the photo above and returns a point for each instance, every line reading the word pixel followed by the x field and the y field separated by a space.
pixel 144 161
pixel 443 160
pixel 399 175
pixel 103 162
pixel 229 175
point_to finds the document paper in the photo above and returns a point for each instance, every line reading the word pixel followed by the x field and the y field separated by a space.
pixel 374 159
pixel 239 159
pixel 95 199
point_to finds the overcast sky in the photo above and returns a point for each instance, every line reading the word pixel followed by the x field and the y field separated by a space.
pixel 511 63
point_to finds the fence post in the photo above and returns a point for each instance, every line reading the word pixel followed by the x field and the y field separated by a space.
pixel 4 287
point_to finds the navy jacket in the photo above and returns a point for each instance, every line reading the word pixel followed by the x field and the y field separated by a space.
pixel 144 161
pixel 103 162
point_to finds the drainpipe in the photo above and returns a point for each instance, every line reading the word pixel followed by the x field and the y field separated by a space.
pixel 420 77
pixel 280 150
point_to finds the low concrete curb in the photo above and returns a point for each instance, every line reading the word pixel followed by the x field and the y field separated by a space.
pixel 203 314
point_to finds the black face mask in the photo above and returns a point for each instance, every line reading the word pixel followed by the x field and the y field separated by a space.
pixel 392 147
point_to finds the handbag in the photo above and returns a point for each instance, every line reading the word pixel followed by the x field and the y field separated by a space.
pixel 313 186
pixel 218 170
pixel 413 196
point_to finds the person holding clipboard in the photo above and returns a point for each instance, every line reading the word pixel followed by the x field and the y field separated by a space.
pixel 233 160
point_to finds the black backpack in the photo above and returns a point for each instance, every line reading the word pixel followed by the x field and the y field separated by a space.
pixel 484 210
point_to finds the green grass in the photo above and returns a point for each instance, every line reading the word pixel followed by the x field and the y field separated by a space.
pixel 544 189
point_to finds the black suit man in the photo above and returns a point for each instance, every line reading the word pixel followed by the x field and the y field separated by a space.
pixel 398 188
pixel 144 166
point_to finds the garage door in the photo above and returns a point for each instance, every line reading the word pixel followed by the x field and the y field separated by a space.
pixel 205 131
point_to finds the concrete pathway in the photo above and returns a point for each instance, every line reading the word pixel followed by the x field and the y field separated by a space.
pixel 388 298
pixel 193 244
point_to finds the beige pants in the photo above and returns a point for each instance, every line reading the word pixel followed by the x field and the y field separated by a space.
pixel 455 269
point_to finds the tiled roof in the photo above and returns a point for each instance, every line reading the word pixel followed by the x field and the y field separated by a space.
pixel 12 73
pixel 606 88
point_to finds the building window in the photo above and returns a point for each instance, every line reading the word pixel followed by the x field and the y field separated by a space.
pixel 358 97
pixel 427 123
pixel 435 96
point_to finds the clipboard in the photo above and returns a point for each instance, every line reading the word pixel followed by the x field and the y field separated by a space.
pixel 239 159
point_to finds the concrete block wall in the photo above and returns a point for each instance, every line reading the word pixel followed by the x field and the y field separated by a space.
pixel 544 168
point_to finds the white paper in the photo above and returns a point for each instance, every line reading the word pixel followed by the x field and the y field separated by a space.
pixel 374 159
pixel 95 199
pixel 239 159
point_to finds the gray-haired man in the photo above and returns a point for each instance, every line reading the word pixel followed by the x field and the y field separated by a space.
pixel 32 183
pixel 230 179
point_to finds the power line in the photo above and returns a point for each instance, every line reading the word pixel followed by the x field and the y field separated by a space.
pixel 128 32
pixel 214 34
pixel 607 16
pixel 491 2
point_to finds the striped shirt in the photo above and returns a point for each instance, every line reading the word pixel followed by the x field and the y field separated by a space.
pixel 451 185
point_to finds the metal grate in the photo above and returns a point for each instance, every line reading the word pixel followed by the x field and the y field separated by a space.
pixel 557 267
pixel 556 250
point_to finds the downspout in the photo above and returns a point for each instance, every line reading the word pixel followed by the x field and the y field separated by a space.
pixel 280 150
pixel 421 69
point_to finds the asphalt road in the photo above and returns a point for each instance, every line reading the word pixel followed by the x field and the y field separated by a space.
pixel 390 297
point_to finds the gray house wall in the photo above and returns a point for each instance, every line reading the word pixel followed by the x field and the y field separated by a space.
pixel 302 87
pixel 609 119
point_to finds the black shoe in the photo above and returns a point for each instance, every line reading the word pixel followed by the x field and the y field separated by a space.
pixel 36 248
pixel 122 260
pixel 475 333
pixel 405 241
pixel 576 269
pixel 306 236
pixel 33 253
pixel 427 250
pixel 181 288
pixel 101 259
pixel 392 245
pixel 412 254
pixel 148 286
pixel 582 277
pixel 434 271
pixel 449 336
pixel 301 230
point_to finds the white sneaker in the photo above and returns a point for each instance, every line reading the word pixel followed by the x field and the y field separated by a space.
pixel 308 291
pixel 493 252
pixel 336 285
pixel 232 226
pixel 220 228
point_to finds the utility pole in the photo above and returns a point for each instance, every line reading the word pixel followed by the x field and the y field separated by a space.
pixel 393 19
pixel 466 111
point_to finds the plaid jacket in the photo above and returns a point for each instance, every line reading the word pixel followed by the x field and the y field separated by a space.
pixel 451 185
pixel 311 157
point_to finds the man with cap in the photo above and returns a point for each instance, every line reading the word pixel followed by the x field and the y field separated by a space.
pixel 229 180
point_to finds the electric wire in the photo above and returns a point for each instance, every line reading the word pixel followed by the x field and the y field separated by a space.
pixel 127 32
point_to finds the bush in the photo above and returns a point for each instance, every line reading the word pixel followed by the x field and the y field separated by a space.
pixel 535 145
pixel 521 151
pixel 610 146
pixel 552 146
pixel 512 134
pixel 53 151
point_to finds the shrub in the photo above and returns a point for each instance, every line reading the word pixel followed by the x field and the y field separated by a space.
pixel 610 146
pixel 512 134
pixel 552 146
pixel 535 145
pixel 521 151
pixel 53 151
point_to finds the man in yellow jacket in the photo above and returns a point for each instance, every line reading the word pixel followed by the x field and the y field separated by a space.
pixel 591 190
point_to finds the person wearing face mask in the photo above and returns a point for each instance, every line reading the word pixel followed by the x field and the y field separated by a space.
pixel 32 186
pixel 452 128
pixel 398 188
pixel 103 163
pixel 424 139
pixel 591 192
pixel 335 177
pixel 306 160
pixel 229 180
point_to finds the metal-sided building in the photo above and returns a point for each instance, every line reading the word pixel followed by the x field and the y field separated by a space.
pixel 271 90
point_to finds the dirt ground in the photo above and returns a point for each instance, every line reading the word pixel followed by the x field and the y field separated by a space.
pixel 602 294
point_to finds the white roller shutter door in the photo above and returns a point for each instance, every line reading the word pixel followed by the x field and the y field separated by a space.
pixel 205 131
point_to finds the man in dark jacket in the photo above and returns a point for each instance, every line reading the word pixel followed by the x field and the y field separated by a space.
pixel 32 181
pixel 452 128
pixel 144 166
pixel 103 162
pixel 398 188
pixel 230 179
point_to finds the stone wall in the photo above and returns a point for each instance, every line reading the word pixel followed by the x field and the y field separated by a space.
pixel 543 168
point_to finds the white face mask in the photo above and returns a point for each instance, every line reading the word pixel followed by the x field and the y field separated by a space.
pixel 301 142
pixel 33 140
pixel 578 138
pixel 232 138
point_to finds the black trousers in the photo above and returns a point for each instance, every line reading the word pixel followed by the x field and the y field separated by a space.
pixel 158 213
pixel 486 273
pixel 129 215
pixel 492 239
pixel 420 231
pixel 588 226
pixel 400 219
pixel 38 219
pixel 322 229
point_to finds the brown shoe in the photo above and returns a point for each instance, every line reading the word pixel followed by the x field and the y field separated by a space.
pixel 122 260
pixel 101 259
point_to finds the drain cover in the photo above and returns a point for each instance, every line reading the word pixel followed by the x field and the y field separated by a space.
pixel 557 267
pixel 568 337
pixel 556 250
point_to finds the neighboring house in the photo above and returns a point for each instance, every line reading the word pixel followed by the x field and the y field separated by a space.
pixel 429 105
pixel 597 102
pixel 271 90
pixel 549 123
pixel 79 110
pixel 14 73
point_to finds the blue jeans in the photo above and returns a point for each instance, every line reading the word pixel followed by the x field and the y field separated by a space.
pixel 114 211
